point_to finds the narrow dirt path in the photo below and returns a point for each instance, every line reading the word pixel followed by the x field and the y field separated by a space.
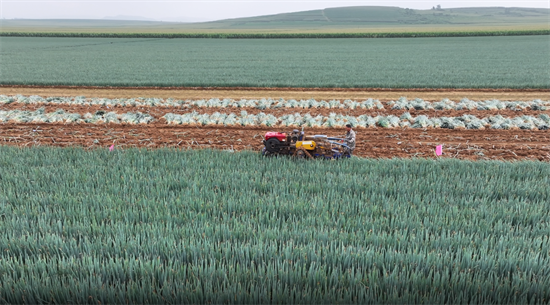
pixel 286 93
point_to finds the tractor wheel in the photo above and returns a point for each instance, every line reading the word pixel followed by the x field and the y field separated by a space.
pixel 273 145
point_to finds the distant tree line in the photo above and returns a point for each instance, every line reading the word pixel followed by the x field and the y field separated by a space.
pixel 276 35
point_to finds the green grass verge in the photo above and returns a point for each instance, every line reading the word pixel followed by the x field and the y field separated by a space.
pixel 167 226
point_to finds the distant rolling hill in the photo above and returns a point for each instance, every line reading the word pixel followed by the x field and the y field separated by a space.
pixel 342 19
pixel 368 16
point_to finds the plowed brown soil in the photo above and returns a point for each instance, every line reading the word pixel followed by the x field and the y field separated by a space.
pixel 371 142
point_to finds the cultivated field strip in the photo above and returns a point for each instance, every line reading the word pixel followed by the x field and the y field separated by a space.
pixel 172 226
pixel 400 128
pixel 364 121
pixel 490 144
pixel 60 116
pixel 333 120
pixel 222 112
pixel 519 62
pixel 263 104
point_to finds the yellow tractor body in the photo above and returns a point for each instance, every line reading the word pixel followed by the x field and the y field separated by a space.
pixel 307 145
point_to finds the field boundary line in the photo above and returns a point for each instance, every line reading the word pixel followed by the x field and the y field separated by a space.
pixel 296 89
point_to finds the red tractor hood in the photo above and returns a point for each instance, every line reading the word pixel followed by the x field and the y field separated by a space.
pixel 279 135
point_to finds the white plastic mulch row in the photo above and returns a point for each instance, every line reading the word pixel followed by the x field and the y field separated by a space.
pixel 40 116
pixel 542 122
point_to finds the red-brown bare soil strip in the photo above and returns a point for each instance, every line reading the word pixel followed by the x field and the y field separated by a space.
pixel 158 112
pixel 374 143
pixel 286 93
pixel 371 142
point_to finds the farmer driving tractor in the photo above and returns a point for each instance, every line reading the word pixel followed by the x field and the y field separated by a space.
pixel 299 145
pixel 349 138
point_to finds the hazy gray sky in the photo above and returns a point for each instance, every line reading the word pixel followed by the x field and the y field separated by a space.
pixel 205 10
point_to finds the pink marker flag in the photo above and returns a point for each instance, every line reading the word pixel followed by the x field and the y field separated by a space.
pixel 439 150
pixel 112 147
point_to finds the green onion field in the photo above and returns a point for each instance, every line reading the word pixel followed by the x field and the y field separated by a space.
pixel 170 226
pixel 457 62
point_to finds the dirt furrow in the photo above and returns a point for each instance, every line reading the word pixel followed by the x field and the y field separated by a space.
pixel 371 142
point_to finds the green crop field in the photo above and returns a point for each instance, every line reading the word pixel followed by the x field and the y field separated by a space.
pixel 169 226
pixel 458 62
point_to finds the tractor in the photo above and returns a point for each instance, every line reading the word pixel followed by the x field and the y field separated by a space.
pixel 297 144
